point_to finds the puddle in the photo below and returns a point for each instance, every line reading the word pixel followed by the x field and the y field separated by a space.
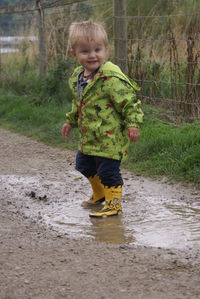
pixel 150 218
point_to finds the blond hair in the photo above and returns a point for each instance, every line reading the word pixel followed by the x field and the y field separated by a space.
pixel 86 31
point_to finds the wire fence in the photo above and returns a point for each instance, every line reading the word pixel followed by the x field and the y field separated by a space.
pixel 162 55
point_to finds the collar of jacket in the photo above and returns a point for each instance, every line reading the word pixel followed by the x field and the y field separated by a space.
pixel 108 69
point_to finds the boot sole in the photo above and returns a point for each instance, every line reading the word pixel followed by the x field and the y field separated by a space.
pixel 104 215
pixel 91 204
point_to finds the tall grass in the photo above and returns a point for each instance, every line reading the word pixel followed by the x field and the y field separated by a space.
pixel 52 87
pixel 163 57
pixel 166 149
pixel 43 122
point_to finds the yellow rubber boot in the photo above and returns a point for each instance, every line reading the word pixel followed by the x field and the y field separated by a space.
pixel 98 191
pixel 113 197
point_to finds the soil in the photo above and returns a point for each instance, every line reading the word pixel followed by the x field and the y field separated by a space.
pixel 39 261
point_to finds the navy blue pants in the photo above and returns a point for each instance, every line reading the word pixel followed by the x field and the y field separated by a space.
pixel 107 169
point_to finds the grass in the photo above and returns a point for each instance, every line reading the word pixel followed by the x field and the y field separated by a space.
pixel 163 150
pixel 169 150
pixel 42 122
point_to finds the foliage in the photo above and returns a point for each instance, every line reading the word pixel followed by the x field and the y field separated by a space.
pixel 162 7
pixel 9 23
pixel 22 79
pixel 42 122
pixel 13 2
pixel 166 149
pixel 164 56
pixel 54 86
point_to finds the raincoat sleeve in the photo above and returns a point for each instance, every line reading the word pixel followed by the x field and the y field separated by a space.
pixel 123 97
pixel 72 116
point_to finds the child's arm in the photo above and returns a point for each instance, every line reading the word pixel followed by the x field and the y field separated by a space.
pixel 123 97
pixel 71 121
pixel 66 131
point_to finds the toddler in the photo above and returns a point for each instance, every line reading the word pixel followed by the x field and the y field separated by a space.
pixel 107 113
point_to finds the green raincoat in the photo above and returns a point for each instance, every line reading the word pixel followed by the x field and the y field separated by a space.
pixel 106 109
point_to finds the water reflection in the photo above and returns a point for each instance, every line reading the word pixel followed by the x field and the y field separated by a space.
pixel 110 230
pixel 191 217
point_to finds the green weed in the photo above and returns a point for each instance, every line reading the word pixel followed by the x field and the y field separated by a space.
pixel 166 149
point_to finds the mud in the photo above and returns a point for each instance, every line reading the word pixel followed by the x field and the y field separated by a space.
pixel 50 248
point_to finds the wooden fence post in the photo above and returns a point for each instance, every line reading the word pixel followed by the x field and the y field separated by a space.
pixel 120 34
pixel 42 38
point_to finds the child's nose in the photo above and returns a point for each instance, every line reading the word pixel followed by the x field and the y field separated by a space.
pixel 92 54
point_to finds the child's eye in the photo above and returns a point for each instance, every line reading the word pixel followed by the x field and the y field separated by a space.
pixel 98 49
pixel 84 51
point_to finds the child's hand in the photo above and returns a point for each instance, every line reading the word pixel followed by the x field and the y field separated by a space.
pixel 133 134
pixel 66 130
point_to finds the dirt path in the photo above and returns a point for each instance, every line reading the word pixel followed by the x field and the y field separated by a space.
pixel 40 261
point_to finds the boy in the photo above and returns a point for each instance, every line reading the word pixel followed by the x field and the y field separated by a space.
pixel 106 112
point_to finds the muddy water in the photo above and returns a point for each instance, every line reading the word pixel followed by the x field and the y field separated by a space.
pixel 154 214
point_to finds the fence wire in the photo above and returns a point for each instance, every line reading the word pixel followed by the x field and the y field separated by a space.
pixel 163 57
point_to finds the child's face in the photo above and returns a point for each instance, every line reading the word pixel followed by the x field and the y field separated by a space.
pixel 90 55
